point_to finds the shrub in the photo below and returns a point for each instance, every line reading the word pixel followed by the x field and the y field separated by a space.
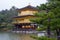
pixel 42 38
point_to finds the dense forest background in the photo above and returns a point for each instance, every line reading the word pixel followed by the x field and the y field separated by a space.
pixel 6 17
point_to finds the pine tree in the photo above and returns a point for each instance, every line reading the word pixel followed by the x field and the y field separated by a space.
pixel 51 19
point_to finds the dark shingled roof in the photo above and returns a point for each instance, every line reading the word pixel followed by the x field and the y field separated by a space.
pixel 29 7
pixel 23 16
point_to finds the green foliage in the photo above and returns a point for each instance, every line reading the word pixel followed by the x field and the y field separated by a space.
pixel 43 6
pixel 6 17
pixel 42 38
pixel 10 26
pixel 50 18
pixel 33 36
pixel 45 38
pixel 41 28
pixel 52 9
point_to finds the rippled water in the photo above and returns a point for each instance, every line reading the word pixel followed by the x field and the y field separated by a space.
pixel 14 36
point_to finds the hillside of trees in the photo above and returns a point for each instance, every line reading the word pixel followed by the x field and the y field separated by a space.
pixel 6 17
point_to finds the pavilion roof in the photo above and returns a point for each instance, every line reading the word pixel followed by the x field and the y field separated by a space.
pixel 24 16
pixel 28 7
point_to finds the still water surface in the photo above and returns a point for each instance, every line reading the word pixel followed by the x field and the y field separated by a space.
pixel 14 36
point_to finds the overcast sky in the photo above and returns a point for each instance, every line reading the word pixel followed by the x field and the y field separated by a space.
pixel 7 4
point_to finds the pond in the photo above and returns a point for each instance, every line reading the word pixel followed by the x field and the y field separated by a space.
pixel 14 36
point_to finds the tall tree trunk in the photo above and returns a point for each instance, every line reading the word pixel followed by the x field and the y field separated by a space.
pixel 48 32
pixel 58 34
pixel 48 27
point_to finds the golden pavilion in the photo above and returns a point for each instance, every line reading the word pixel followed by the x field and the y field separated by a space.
pixel 22 21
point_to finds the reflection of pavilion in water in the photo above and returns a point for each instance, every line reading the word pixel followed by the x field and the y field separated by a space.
pixel 22 21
